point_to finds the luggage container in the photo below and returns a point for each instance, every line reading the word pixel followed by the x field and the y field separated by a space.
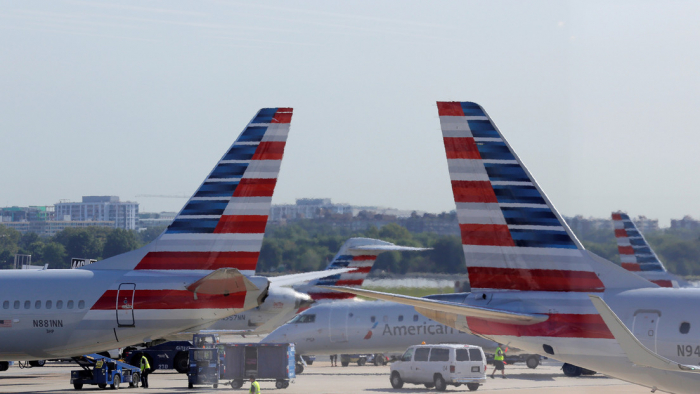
pixel 204 367
pixel 266 361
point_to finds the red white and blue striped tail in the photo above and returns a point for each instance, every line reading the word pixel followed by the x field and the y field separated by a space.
pixel 358 253
pixel 513 237
pixel 223 223
pixel 636 255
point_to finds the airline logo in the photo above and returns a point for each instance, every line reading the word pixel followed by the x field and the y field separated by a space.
pixel 635 253
pixel 512 237
pixel 223 223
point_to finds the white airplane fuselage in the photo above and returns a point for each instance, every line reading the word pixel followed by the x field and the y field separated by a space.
pixel 577 335
pixel 34 327
pixel 367 327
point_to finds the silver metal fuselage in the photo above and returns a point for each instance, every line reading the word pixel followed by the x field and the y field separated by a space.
pixel 367 327
pixel 32 330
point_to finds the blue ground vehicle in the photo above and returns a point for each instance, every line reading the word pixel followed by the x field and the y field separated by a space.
pixel 170 355
pixel 236 362
pixel 103 371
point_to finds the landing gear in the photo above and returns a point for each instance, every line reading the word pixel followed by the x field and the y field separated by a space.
pixel 37 363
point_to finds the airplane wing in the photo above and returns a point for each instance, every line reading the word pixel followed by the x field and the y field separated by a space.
pixel 287 280
pixel 635 350
pixel 448 307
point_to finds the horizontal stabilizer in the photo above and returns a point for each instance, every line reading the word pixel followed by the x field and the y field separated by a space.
pixel 293 279
pixel 448 307
pixel 636 352
pixel 222 282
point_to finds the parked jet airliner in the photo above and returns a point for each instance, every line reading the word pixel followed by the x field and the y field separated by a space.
pixel 535 287
pixel 198 271
pixel 282 304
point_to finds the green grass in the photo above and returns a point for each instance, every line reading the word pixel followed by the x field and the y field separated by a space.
pixel 412 291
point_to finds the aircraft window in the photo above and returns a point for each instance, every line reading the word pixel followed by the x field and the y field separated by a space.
pixel 475 354
pixel 59 304
pixel 684 328
pixel 407 356
pixel 6 305
pixel 350 314
pixel 421 354
pixel 81 304
pixel 37 305
pixel 27 304
pixel 440 354
pixel 16 304
pixel 304 319
pixel 372 319
pixel 386 319
pixel 400 317
pixel 70 304
pixel 48 304
pixel 462 355
pixel 415 317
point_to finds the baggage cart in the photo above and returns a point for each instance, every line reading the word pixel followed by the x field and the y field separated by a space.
pixel 102 371
pixel 266 361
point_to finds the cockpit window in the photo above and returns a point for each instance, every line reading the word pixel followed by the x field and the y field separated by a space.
pixel 309 318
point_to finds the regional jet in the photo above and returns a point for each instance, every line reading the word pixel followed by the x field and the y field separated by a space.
pixel 201 269
pixel 282 304
pixel 534 285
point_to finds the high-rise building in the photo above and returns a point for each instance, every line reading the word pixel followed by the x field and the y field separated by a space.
pixel 124 214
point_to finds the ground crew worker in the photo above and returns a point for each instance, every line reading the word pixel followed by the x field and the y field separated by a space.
pixel 145 370
pixel 498 362
pixel 254 386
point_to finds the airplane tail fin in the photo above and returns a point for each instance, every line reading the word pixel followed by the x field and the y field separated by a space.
pixel 513 237
pixel 636 255
pixel 357 253
pixel 223 223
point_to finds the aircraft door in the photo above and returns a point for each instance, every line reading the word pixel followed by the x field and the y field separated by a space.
pixel 338 324
pixel 645 326
pixel 125 304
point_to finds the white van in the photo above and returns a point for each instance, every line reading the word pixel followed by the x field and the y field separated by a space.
pixel 440 365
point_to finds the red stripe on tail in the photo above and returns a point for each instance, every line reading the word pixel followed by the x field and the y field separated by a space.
pixel 557 326
pixel 283 115
pixel 473 191
pixel 625 249
pixel 365 257
pixel 534 279
pixel 450 109
pixel 269 150
pixel 461 148
pixel 349 282
pixel 620 233
pixel 634 267
pixel 255 188
pixel 333 295
pixel 198 260
pixel 663 283
pixel 486 234
pixel 616 216
pixel 241 224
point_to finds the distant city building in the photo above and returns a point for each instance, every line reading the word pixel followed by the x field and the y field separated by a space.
pixel 124 214
pixel 29 214
pixel 646 225
pixel 151 219
pixel 687 222
pixel 49 228
pixel 579 224
pixel 312 208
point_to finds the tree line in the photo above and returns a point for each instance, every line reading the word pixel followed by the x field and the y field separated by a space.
pixel 305 245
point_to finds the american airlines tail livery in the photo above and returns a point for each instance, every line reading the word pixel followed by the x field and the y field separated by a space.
pixel 637 256
pixel 198 271
pixel 535 287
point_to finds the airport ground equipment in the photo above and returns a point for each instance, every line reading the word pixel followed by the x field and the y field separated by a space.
pixel 103 371
pixel 531 360
pixel 439 366
pixel 170 355
pixel 266 361
pixel 204 368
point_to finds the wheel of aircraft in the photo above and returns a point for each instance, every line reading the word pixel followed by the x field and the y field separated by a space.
pixel 532 362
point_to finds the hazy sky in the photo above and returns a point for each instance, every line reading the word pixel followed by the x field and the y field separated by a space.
pixel 600 99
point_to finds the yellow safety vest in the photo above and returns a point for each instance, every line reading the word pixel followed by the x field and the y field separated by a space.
pixel 254 388
pixel 499 354
pixel 144 363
